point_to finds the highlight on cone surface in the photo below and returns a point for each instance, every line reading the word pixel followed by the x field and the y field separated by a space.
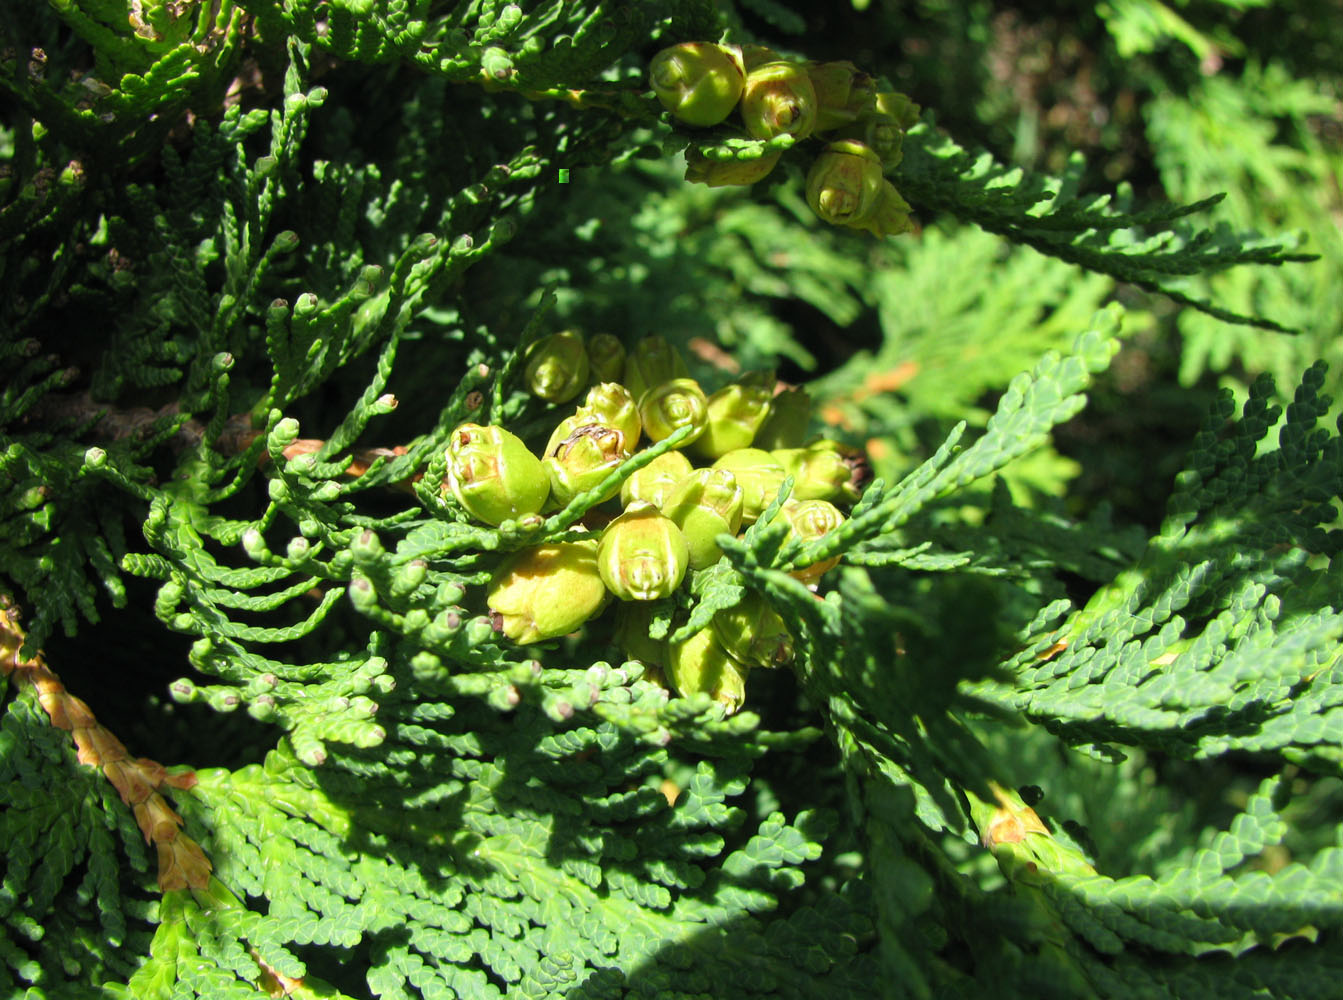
pixel 642 555
pixel 492 474
pixel 697 82
pixel 546 591
pixel 897 107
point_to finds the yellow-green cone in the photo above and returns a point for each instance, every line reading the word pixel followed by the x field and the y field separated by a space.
pixel 700 664
pixel 492 474
pixel 557 367
pixel 705 504
pixel 844 185
pixel 788 420
pixel 699 169
pixel 546 591
pixel 843 92
pixel 666 408
pixel 654 481
pixel 642 555
pixel 897 107
pixel 759 475
pixel 879 134
pixel 736 412
pixel 652 361
pixel 633 620
pixel 890 216
pixel 810 519
pixel 754 633
pixel 819 471
pixel 778 99
pixel 606 358
pixel 698 82
pixel 608 404
pixel 582 460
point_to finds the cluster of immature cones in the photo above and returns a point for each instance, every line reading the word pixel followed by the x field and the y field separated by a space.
pixel 702 83
pixel 735 448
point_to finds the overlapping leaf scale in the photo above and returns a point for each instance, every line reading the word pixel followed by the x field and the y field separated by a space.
pixel 1210 643
pixel 1215 903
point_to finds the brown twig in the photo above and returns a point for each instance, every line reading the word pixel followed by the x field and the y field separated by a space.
pixel 182 863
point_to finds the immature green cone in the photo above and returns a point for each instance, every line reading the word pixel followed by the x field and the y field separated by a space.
pixel 582 460
pixel 881 135
pixel 759 475
pixel 819 471
pixel 843 93
pixel 889 217
pixel 654 481
pixel 606 358
pixel 810 519
pixel 642 555
pixel 897 107
pixel 705 504
pixel 753 633
pixel 699 169
pixel 634 620
pixel 698 82
pixel 493 475
pixel 557 367
pixel 652 361
pixel 844 185
pixel 788 420
pixel 701 664
pixel 736 412
pixel 608 404
pixel 778 99
pixel 666 408
pixel 546 591
pixel 752 56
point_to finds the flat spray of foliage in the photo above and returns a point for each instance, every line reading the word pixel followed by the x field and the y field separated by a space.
pixel 223 223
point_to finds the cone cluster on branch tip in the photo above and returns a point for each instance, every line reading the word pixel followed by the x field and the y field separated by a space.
pixel 745 440
pixel 702 83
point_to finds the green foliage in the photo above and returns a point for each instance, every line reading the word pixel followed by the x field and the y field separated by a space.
pixel 235 225
pixel 1100 233
pixel 1261 134
pixel 1143 25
